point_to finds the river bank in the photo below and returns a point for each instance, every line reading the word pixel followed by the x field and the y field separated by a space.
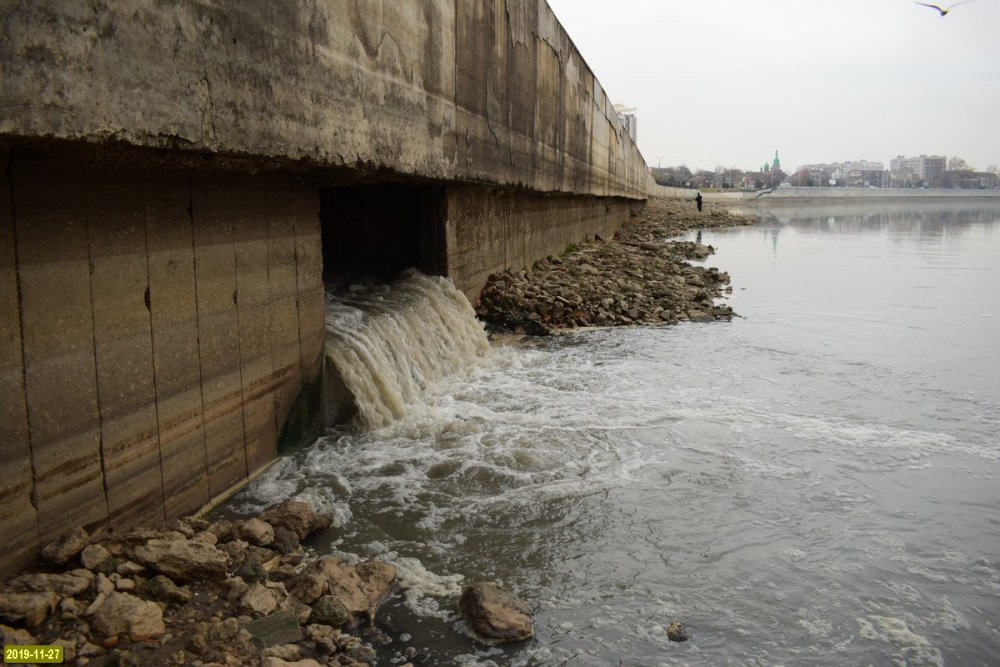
pixel 640 276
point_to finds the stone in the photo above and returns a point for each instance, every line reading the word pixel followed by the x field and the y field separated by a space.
pixel 250 568
pixel 9 635
pixel 285 540
pixel 359 588
pixel 255 531
pixel 272 661
pixel 93 555
pixel 676 632
pixel 224 631
pixel 284 651
pixel 281 627
pixel 66 584
pixel 495 614
pixel 328 610
pixel 124 615
pixel 258 601
pixel 163 589
pixel 27 609
pixel 182 559
pixel 298 517
pixel 66 547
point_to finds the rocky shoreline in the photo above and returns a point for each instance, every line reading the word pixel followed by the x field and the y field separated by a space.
pixel 222 594
pixel 639 277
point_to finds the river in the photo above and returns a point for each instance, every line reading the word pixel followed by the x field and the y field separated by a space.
pixel 814 483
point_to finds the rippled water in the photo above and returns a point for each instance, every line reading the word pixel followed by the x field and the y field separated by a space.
pixel 813 484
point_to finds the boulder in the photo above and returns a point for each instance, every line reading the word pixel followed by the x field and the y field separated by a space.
pixel 66 547
pixel 359 588
pixel 272 661
pixel 254 531
pixel 64 585
pixel 258 601
pixel 123 615
pixel 27 609
pixel 495 614
pixel 163 589
pixel 328 610
pixel 281 627
pixel 676 632
pixel 93 555
pixel 182 559
pixel 298 517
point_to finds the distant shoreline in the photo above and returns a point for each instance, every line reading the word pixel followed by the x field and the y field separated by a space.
pixel 799 194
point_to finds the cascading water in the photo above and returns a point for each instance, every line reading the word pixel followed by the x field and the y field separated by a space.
pixel 385 344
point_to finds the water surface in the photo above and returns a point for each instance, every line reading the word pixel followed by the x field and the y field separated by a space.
pixel 812 484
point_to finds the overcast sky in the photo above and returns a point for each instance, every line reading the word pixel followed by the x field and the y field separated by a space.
pixel 728 82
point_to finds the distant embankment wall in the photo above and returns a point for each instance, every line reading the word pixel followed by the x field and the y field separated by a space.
pixel 175 176
pixel 793 192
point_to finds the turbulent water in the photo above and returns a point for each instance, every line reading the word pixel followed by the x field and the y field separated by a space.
pixel 815 483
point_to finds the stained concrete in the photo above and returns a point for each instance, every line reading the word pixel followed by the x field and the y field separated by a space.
pixel 161 248
pixel 492 91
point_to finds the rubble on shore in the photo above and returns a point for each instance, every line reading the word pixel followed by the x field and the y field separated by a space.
pixel 639 277
pixel 210 594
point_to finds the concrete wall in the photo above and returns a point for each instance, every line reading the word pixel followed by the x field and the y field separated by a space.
pixel 488 91
pixel 157 328
pixel 489 231
pixel 161 255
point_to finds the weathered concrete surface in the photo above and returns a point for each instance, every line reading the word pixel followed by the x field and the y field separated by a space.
pixel 489 231
pixel 155 336
pixel 485 91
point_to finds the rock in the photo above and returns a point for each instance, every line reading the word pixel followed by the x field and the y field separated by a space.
pixel 27 609
pixel 284 651
pixel 224 631
pixel 10 635
pixel 183 559
pixel 124 615
pixel 360 588
pixel 271 661
pixel 254 531
pixel 281 627
pixel 298 517
pixel 285 540
pixel 66 547
pixel 234 588
pixel 328 610
pixel 93 555
pixel 258 601
pixel 250 569
pixel 64 585
pixel 163 589
pixel 494 613
pixel 676 632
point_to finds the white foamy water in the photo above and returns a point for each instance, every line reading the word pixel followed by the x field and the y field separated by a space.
pixel 814 484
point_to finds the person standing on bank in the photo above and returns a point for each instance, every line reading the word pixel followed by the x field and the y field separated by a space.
pixel 697 200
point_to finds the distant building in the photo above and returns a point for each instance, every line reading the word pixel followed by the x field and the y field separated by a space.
pixel 927 169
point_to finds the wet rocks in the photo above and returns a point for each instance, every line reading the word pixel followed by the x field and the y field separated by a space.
pixel 298 517
pixel 641 277
pixel 676 632
pixel 196 592
pixel 123 615
pixel 182 559
pixel 495 614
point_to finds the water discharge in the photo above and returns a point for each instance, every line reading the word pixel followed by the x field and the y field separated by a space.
pixel 812 484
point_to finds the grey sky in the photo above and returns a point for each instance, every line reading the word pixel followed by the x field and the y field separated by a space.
pixel 726 82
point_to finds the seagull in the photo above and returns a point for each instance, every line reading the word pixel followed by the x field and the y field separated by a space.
pixel 944 10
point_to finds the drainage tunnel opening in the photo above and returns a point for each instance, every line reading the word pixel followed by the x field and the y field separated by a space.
pixel 373 232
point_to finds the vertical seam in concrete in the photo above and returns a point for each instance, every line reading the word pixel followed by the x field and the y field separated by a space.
pixel 197 328
pixel 298 285
pixel 152 343
pixel 33 496
pixel 93 331
pixel 239 338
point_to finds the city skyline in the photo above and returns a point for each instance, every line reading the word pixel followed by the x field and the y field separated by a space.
pixel 720 83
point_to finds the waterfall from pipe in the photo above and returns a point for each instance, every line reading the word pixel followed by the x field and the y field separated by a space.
pixel 386 343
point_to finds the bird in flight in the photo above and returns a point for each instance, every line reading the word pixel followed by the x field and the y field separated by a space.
pixel 944 10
